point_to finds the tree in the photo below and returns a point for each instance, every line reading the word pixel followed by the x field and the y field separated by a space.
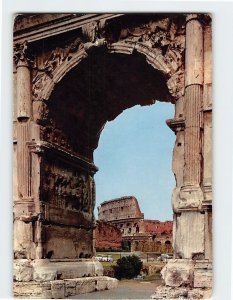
pixel 128 267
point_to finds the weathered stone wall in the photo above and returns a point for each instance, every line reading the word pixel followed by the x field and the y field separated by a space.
pixel 148 245
pixel 107 236
pixel 161 229
pixel 63 242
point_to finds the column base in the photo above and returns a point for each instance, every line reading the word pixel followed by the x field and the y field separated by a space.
pixel 185 279
pixel 60 289
pixel 58 278
pixel 54 269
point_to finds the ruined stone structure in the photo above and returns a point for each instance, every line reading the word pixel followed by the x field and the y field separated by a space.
pixel 160 234
pixel 141 235
pixel 72 74
pixel 121 209
pixel 107 236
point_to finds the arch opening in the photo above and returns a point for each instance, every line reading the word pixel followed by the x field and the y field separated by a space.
pixel 97 90
pixel 135 158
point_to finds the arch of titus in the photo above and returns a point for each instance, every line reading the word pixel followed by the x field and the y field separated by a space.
pixel 72 74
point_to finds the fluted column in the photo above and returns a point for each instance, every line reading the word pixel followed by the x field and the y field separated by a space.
pixel 192 171
pixel 193 99
pixel 189 228
pixel 191 195
pixel 24 112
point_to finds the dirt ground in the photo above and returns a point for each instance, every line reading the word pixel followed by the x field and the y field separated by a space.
pixel 125 290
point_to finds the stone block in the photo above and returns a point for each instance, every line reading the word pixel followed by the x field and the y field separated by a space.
pixel 203 278
pixel 43 270
pixel 44 274
pixel 32 290
pixel 203 274
pixel 106 283
pixel 22 270
pixel 24 248
pixel 112 283
pixel 190 225
pixel 86 285
pixel 101 284
pixel 174 293
pixel 65 246
pixel 70 287
pixel 46 292
pixel 178 273
pixel 58 289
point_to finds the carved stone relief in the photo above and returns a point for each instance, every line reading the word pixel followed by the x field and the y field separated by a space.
pixel 168 40
pixel 58 139
pixel 51 62
pixel 90 31
pixel 55 136
pixel 66 188
pixel 22 54
pixel 163 37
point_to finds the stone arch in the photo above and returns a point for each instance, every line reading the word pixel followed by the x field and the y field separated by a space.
pixel 69 70
pixel 43 167
pixel 172 67
pixel 154 58
pixel 64 65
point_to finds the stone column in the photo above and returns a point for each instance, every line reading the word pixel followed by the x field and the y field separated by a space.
pixel 24 110
pixel 207 117
pixel 192 240
pixel 191 193
pixel 23 202
pixel 39 248
pixel 187 203
pixel 207 140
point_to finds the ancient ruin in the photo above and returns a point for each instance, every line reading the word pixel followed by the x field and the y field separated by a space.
pixel 139 233
pixel 107 237
pixel 72 74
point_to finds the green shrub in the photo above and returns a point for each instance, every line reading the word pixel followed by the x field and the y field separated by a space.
pixel 128 267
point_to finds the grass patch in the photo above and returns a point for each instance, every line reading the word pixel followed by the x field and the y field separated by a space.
pixel 152 277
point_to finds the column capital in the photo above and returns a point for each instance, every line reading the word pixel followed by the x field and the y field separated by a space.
pixel 176 124
pixel 203 19
pixel 22 55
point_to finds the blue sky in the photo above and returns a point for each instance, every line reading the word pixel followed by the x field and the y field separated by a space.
pixel 134 157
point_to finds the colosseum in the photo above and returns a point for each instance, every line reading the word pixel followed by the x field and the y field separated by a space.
pixel 138 234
